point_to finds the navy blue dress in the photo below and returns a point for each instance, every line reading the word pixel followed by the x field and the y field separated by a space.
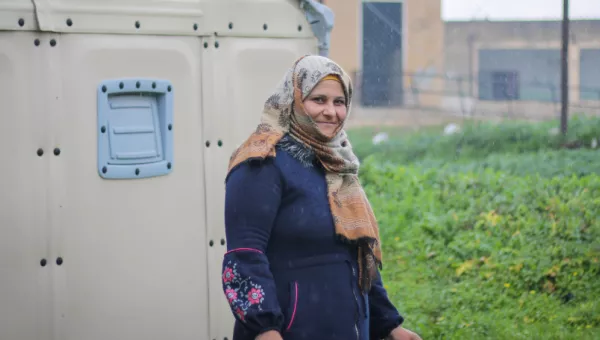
pixel 284 269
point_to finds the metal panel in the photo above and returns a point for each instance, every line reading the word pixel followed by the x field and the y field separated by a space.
pixel 250 18
pixel 134 251
pixel 256 18
pixel 25 259
pixel 17 15
pixel 239 76
pixel 170 17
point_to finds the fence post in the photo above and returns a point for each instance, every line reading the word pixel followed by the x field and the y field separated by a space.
pixel 461 95
pixel 564 114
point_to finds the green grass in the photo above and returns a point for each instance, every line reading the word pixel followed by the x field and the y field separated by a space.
pixel 477 140
pixel 499 241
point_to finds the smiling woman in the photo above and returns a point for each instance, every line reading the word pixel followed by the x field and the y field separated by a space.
pixel 326 105
pixel 303 244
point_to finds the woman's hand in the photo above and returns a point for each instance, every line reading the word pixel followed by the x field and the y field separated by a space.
pixel 400 333
pixel 270 335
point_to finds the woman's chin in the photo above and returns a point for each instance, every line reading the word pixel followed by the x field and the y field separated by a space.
pixel 327 130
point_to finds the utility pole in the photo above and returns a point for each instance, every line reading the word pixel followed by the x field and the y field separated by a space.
pixel 564 114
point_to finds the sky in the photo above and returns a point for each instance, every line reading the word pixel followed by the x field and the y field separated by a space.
pixel 518 9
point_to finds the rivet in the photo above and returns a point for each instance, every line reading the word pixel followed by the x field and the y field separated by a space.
pixel 103 88
pixel 69 22
pixel 103 129
pixel 36 42
pixel 195 27
pixel 137 84
pixel 299 28
pixel 211 243
pixel 121 85
pixel 222 241
pixel 104 169
pixel 52 42
pixel 21 22
pixel 169 88
pixel 265 27
pixel 170 127
pixel 220 143
pixel 40 152
pixel 59 261
pixel 56 151
pixel 231 25
pixel 153 85
pixel 207 143
pixel 137 172
pixel 137 24
pixel 43 262
pixel 169 165
pixel 216 44
pixel 205 44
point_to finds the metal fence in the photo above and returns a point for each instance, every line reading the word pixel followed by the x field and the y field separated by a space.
pixel 417 93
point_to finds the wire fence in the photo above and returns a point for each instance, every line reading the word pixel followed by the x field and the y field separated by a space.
pixel 483 95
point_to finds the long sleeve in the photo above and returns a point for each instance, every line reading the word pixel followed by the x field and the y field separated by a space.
pixel 253 196
pixel 384 317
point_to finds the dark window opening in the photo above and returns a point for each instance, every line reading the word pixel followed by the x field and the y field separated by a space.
pixel 505 85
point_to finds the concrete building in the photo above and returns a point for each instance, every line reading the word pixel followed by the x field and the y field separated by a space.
pixel 518 62
pixel 405 59
pixel 389 47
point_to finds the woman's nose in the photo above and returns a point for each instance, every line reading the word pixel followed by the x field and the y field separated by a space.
pixel 329 110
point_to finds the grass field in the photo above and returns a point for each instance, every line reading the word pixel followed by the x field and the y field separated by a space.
pixel 491 233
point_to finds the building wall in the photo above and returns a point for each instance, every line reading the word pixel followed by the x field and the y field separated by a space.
pixel 346 33
pixel 464 40
pixel 423 42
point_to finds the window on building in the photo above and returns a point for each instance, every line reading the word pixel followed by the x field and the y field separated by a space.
pixel 519 74
pixel 505 85
pixel 589 74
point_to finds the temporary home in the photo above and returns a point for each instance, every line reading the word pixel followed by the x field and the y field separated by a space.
pixel 118 120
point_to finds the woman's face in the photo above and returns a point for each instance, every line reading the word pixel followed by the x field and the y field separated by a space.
pixel 326 105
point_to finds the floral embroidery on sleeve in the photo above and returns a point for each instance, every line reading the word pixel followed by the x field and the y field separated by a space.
pixel 241 293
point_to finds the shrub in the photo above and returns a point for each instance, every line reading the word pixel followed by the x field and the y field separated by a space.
pixel 551 163
pixel 476 141
pixel 488 255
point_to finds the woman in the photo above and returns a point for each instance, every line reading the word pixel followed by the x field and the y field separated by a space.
pixel 303 244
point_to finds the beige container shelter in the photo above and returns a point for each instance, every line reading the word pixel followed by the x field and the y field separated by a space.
pixel 118 118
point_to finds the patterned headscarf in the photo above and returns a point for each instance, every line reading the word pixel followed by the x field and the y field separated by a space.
pixel 284 114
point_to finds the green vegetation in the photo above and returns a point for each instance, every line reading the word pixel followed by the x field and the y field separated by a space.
pixel 498 240
pixel 476 142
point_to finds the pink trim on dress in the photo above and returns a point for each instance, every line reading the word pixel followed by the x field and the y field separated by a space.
pixel 243 249
pixel 295 307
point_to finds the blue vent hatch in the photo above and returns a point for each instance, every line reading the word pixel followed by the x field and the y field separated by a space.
pixel 135 138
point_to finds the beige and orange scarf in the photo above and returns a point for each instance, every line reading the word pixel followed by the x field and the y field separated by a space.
pixel 284 114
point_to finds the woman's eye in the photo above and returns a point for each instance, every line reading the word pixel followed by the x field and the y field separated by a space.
pixel 319 100
pixel 340 102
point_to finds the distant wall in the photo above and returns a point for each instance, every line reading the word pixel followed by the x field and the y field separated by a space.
pixel 422 42
pixel 478 52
